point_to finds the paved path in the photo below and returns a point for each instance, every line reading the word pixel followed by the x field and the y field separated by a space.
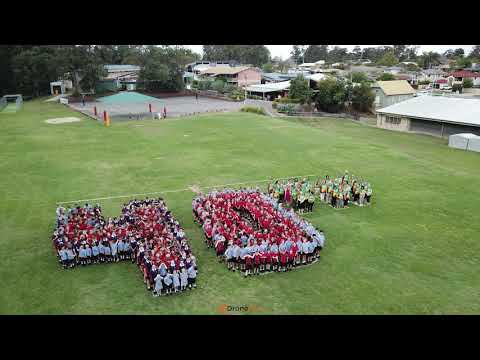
pixel 56 98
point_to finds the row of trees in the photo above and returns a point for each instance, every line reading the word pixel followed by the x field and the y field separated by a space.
pixel 382 55
pixel 30 69
pixel 332 95
pixel 256 55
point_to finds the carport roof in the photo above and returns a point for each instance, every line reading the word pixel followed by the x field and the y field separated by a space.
pixel 272 87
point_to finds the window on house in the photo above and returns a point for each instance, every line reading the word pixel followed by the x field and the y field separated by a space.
pixel 394 120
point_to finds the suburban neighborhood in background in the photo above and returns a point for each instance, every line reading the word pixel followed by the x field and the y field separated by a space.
pixel 364 84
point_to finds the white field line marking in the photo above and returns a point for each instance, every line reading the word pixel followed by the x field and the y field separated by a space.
pixel 179 190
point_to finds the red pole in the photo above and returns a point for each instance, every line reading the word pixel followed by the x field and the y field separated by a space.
pixel 150 107
pixel 95 110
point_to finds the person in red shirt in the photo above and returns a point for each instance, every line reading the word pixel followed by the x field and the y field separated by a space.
pixel 256 258
pixel 283 261
pixel 248 264
pixel 220 248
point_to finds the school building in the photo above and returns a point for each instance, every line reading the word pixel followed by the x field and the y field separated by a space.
pixel 433 115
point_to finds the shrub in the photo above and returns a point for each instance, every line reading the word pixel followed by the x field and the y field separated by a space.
pixel 300 89
pixel 362 98
pixel 331 95
pixel 359 77
pixel 287 100
pixel 467 83
pixel 229 88
pixel 205 85
pixel 218 85
pixel 254 109
pixel 289 109
pixel 386 77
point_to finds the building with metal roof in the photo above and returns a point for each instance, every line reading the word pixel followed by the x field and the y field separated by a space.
pixel 276 77
pixel 391 92
pixel 434 115
pixel 121 68
pixel 270 90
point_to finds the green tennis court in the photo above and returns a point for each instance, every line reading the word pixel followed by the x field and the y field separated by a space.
pixel 127 98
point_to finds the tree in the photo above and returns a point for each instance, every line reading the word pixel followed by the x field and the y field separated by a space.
pixel 475 53
pixel 331 95
pixel 162 71
pixel 449 54
pixel 300 90
pixel 359 77
pixel 357 53
pixel 388 59
pixel 386 77
pixel 297 53
pixel 33 70
pixel 255 55
pixel 400 51
pixel 462 63
pixel 337 54
pixel 459 52
pixel 362 97
pixel 428 59
pixel 467 83
pixel 268 67
pixel 280 65
pixel 314 53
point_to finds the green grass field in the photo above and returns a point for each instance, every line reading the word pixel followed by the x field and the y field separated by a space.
pixel 415 251
pixel 9 109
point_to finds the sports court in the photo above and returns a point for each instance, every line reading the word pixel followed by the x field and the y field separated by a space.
pixel 136 106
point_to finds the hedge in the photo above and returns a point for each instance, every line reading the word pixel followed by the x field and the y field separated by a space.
pixel 254 109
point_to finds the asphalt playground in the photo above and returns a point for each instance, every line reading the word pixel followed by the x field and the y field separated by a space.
pixel 138 108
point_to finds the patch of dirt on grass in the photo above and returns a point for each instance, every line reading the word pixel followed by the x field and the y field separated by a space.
pixel 195 189
pixel 63 120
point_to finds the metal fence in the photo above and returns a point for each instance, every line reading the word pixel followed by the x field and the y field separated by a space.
pixel 321 114
pixel 19 102
pixel 3 103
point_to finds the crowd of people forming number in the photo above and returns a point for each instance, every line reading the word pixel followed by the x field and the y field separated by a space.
pixel 145 233
pixel 252 232
pixel 338 192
